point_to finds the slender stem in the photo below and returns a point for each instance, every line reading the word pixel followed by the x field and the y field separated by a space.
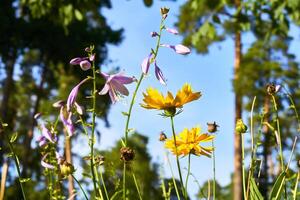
pixel 82 190
pixel 253 149
pixel 173 178
pixel 103 183
pixel 278 132
pixel 187 176
pixel 136 185
pixel 214 170
pixel 92 140
pixel 208 190
pixel 243 166
pixel 279 141
pixel 132 103
pixel 177 159
pixel 296 186
pixel 16 159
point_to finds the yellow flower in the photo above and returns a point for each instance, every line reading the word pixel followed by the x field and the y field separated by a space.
pixel 153 99
pixel 188 142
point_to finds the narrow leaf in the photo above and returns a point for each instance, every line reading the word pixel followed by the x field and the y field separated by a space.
pixel 277 187
pixel 254 191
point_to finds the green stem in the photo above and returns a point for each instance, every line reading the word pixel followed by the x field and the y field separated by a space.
pixel 136 185
pixel 243 166
pixel 177 159
pixel 173 178
pixel 214 170
pixel 17 166
pixel 279 141
pixel 82 190
pixel 92 140
pixel 253 149
pixel 103 183
pixel 296 187
pixel 132 103
pixel 187 176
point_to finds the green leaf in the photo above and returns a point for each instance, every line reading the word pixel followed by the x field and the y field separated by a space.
pixel 78 15
pixel 14 137
pixel 125 113
pixel 116 194
pixel 254 191
pixel 277 187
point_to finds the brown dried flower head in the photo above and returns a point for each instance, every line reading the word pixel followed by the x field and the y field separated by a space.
pixel 127 154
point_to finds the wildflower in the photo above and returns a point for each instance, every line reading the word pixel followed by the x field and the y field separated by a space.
pixel 155 100
pixel 179 48
pixel 66 169
pixel 173 31
pixel 159 75
pixel 59 104
pixel 240 127
pixel 67 121
pixel 83 62
pixel 73 95
pixel 188 142
pixel 146 64
pixel 51 166
pixel 273 89
pixel 212 127
pixel 115 85
pixel 127 154
pixel 46 136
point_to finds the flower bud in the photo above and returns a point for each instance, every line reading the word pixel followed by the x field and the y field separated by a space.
pixel 99 160
pixel 85 65
pixel 154 34
pixel 173 31
pixel 162 137
pixel 240 127
pixel 164 12
pixel 127 154
pixel 66 169
pixel 212 127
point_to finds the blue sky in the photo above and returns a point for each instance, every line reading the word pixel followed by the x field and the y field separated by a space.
pixel 211 74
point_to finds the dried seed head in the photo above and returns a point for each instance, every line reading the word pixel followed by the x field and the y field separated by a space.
pixel 273 89
pixel 127 154
pixel 212 127
pixel 164 12
pixel 162 137
pixel 99 160
pixel 240 127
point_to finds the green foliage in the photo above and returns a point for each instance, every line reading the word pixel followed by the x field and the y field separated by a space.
pixel 254 191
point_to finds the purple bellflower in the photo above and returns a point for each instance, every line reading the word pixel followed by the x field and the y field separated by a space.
pixel 173 31
pixel 159 75
pixel 84 62
pixel 49 166
pixel 73 95
pixel 179 48
pixel 67 121
pixel 46 137
pixel 146 64
pixel 115 85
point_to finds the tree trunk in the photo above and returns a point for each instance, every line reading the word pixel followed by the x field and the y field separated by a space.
pixel 5 116
pixel 68 154
pixel 237 180
pixel 27 142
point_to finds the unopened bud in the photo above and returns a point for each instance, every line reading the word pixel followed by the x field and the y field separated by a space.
pixel 273 89
pixel 240 127
pixel 212 127
pixel 154 34
pixel 164 12
pixel 162 137
pixel 66 169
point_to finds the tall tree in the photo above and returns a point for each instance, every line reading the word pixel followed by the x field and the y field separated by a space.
pixel 38 39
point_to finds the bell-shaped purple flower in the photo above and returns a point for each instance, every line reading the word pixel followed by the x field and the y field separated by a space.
pixel 45 164
pixel 179 48
pixel 159 75
pixel 146 64
pixel 82 61
pixel 173 31
pixel 46 136
pixel 115 85
pixel 67 121
pixel 73 95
